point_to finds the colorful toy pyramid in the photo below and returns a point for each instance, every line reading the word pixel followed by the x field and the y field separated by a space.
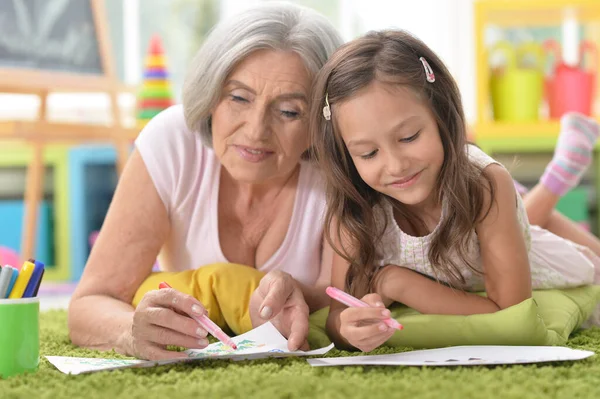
pixel 155 94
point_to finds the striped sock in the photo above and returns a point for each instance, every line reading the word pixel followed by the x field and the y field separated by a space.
pixel 573 153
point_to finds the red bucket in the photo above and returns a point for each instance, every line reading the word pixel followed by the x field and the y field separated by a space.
pixel 571 88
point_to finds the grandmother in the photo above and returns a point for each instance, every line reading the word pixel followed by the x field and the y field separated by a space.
pixel 222 178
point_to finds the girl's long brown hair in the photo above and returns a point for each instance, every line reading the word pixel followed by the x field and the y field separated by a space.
pixel 393 57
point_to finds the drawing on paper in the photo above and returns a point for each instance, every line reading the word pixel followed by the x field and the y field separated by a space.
pixel 220 349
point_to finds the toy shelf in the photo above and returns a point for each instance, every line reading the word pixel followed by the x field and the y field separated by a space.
pixel 525 147
pixel 532 13
pixel 543 132
pixel 14 159
pixel 506 15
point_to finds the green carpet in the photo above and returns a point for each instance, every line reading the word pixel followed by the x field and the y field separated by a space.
pixel 295 378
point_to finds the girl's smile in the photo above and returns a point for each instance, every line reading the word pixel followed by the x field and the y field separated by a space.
pixel 406 182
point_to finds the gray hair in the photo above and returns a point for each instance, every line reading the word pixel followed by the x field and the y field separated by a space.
pixel 276 26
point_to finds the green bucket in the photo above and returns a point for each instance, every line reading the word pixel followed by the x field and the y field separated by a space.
pixel 517 90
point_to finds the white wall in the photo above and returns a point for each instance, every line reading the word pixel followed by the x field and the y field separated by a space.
pixel 445 25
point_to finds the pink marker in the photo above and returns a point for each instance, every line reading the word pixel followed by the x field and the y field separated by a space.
pixel 353 302
pixel 206 323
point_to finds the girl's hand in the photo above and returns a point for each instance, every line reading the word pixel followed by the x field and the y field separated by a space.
pixel 163 318
pixel 363 328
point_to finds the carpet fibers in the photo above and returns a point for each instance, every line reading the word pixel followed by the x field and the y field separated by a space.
pixel 295 378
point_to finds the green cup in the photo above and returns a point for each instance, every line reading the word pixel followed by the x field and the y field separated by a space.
pixel 19 336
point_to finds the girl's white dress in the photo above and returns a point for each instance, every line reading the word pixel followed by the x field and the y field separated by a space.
pixel 555 262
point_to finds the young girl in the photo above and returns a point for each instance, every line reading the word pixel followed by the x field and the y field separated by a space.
pixel 415 214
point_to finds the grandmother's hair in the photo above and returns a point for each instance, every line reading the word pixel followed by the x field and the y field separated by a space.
pixel 273 25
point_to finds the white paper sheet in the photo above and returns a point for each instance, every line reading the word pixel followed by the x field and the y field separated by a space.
pixel 80 365
pixel 262 342
pixel 462 356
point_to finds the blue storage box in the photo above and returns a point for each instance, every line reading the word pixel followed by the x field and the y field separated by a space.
pixel 11 229
pixel 92 182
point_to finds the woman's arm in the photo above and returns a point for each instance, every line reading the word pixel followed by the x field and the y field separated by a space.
pixel 505 264
pixel 136 225
pixel 100 313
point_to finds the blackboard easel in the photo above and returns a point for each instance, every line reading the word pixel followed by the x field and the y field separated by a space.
pixel 50 46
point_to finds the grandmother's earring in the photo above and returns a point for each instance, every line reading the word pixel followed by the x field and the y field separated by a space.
pixel 428 71
pixel 327 109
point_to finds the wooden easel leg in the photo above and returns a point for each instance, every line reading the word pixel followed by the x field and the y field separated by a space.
pixel 33 194
pixel 121 143
pixel 33 189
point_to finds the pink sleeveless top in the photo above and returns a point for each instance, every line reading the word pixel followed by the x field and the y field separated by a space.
pixel 186 176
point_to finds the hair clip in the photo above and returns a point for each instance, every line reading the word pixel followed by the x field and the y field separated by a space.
pixel 327 109
pixel 428 71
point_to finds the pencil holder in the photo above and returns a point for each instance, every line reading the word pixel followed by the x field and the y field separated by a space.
pixel 19 336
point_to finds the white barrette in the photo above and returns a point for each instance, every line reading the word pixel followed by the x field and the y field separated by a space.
pixel 327 109
pixel 428 71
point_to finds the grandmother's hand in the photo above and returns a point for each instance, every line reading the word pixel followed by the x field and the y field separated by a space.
pixel 279 299
pixel 164 317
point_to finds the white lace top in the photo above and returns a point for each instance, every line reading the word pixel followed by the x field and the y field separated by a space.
pixel 398 248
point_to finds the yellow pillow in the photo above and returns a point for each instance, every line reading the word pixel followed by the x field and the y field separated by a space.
pixel 223 288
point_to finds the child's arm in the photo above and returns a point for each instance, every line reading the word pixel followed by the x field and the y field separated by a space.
pixel 427 296
pixel 503 250
pixel 505 263
pixel 360 328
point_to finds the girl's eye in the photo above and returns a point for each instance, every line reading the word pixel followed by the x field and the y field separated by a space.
pixel 369 155
pixel 238 99
pixel 411 138
pixel 290 114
